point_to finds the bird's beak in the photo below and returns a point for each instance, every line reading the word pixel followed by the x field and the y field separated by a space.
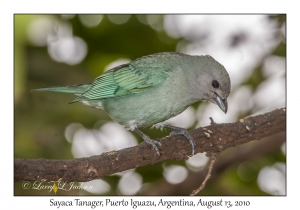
pixel 222 103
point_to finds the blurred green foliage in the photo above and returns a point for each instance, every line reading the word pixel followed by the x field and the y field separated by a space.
pixel 40 119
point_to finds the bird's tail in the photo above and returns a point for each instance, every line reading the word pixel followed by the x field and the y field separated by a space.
pixel 75 89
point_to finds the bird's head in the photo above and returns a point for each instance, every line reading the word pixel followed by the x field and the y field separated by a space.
pixel 214 81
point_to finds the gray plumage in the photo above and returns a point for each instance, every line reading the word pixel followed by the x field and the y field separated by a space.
pixel 154 88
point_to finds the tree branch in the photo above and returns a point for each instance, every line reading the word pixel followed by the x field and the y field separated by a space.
pixel 211 139
pixel 235 157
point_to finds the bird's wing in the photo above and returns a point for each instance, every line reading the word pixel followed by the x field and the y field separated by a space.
pixel 131 78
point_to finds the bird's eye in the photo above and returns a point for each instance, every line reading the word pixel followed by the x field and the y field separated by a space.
pixel 215 84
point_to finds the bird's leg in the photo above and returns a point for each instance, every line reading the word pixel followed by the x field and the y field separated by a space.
pixel 182 131
pixel 148 140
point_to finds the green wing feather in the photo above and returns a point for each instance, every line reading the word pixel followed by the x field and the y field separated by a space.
pixel 75 89
pixel 131 78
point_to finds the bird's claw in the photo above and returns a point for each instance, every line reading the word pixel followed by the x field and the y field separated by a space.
pixel 154 144
pixel 149 141
pixel 184 132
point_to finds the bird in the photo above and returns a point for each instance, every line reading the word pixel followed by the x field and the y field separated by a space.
pixel 154 88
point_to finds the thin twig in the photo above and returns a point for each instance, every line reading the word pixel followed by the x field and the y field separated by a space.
pixel 212 122
pixel 212 162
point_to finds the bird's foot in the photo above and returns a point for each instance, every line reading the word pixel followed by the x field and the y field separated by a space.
pixel 184 132
pixel 147 139
pixel 155 144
